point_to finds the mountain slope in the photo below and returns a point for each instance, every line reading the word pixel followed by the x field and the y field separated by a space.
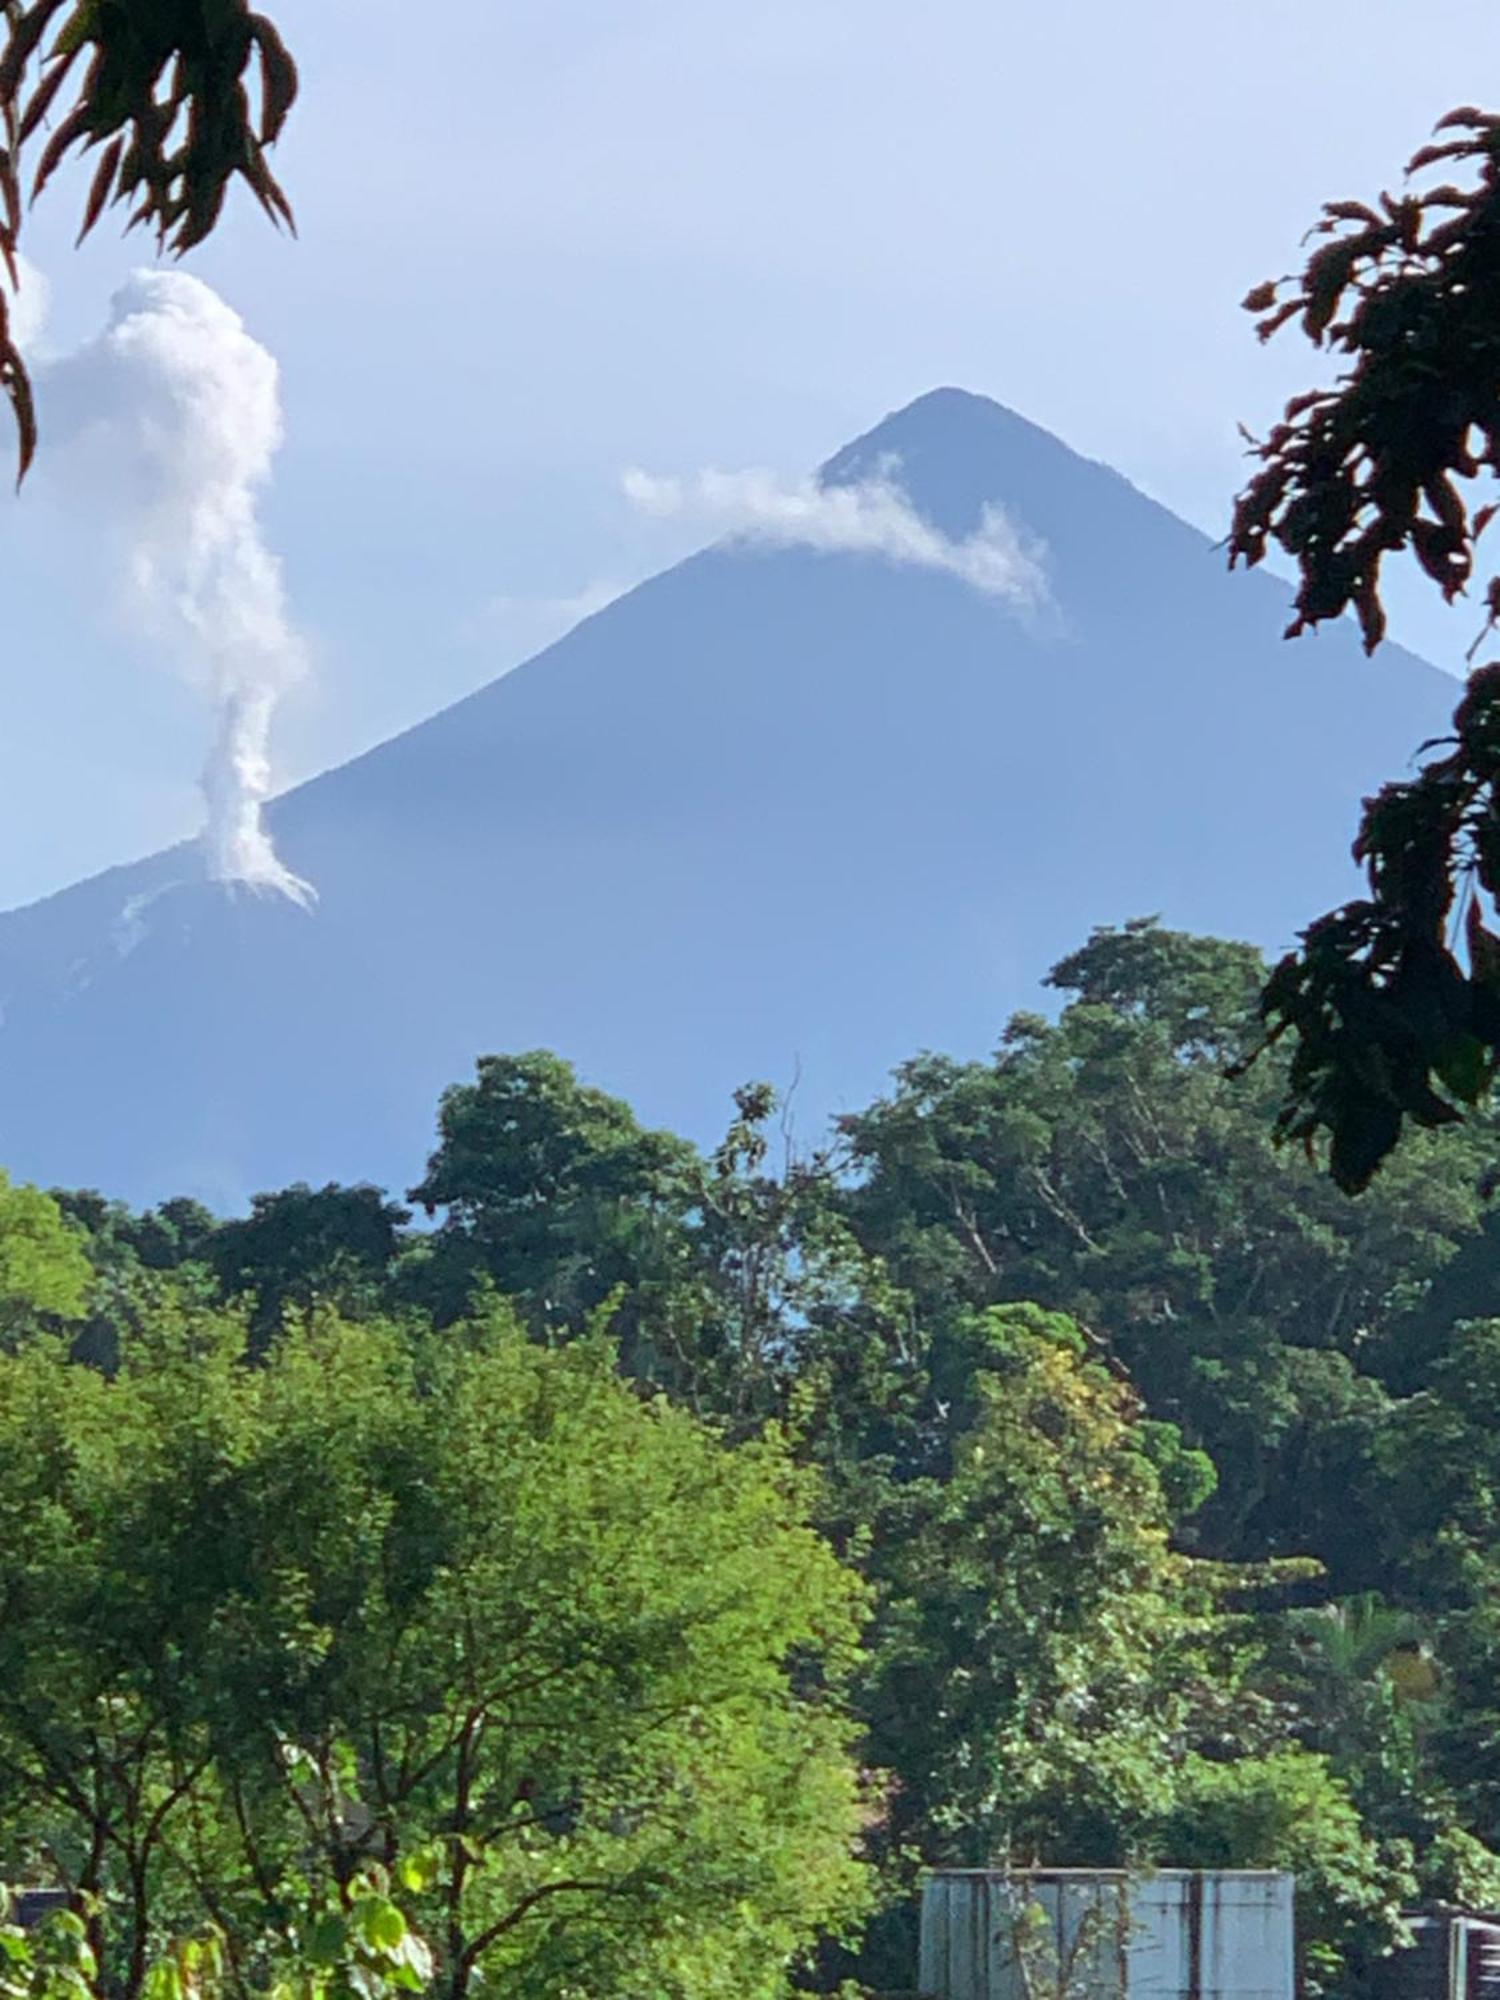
pixel 775 813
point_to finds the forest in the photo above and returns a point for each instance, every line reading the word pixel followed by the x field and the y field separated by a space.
pixel 613 1568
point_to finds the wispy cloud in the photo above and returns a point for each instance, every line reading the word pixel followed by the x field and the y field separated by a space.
pixel 513 627
pixel 873 517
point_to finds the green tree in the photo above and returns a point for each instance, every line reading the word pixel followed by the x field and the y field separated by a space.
pixel 303 1247
pixel 782 1316
pixel 552 1193
pixel 1363 1685
pixel 1028 1489
pixel 165 1238
pixel 1439 1494
pixel 1105 1166
pixel 736 1283
pixel 1390 1024
pixel 361 1946
pixel 1440 1474
pixel 1467 1287
pixel 44 1267
pixel 128 1251
pixel 1038 1641
pixel 454 1606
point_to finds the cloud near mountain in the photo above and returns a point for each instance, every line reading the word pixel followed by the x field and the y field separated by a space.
pixel 871 517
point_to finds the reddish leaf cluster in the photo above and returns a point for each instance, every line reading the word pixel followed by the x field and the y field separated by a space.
pixel 1409 292
pixel 1389 1024
pixel 163 90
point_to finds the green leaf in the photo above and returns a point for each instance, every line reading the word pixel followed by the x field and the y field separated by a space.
pixel 379 1923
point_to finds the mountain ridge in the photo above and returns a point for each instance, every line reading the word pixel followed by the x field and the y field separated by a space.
pixel 775 807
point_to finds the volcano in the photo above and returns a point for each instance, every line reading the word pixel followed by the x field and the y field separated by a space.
pixel 781 812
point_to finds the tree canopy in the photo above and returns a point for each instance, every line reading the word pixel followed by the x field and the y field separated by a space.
pixel 1105 1166
pixel 44 1266
pixel 455 1607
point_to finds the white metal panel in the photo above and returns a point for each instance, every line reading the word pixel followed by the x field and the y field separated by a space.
pixel 1176 1935
pixel 1212 1936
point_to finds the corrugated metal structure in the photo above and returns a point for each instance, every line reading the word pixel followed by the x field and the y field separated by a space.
pixel 1452 1956
pixel 1076 1934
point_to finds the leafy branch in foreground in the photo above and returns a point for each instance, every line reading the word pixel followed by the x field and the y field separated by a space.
pixel 163 89
pixel 356 1945
pixel 1390 1023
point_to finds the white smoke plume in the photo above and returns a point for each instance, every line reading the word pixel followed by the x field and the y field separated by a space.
pixel 162 432
pixel 873 517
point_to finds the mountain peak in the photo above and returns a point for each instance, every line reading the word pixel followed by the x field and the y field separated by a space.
pixel 955 453
pixel 949 411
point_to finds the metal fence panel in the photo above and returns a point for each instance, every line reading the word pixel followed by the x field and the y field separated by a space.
pixel 1175 1935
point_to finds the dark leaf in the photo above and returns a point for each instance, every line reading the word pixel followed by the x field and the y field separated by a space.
pixel 104 178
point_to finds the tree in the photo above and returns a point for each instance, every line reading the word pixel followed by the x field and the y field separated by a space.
pixel 303 1247
pixel 128 1253
pixel 1104 1166
pixel 553 1193
pixel 1362 1681
pixel 783 1317
pixel 165 1238
pixel 1040 1656
pixel 366 1949
pixel 737 1286
pixel 455 1607
pixel 44 1267
pixel 1037 1644
pixel 1391 1025
pixel 165 93
pixel 1440 1470
pixel 1008 1325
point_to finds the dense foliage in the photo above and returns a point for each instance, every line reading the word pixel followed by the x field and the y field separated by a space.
pixel 1078 1463
pixel 458 1607
pixel 1391 1024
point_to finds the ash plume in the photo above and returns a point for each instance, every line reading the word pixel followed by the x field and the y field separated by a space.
pixel 161 433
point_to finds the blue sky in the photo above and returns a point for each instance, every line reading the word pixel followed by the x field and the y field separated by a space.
pixel 567 238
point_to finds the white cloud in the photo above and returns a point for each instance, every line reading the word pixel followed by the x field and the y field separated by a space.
pixel 29 303
pixel 161 434
pixel 873 517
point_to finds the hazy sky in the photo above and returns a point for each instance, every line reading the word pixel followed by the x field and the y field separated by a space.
pixel 544 240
